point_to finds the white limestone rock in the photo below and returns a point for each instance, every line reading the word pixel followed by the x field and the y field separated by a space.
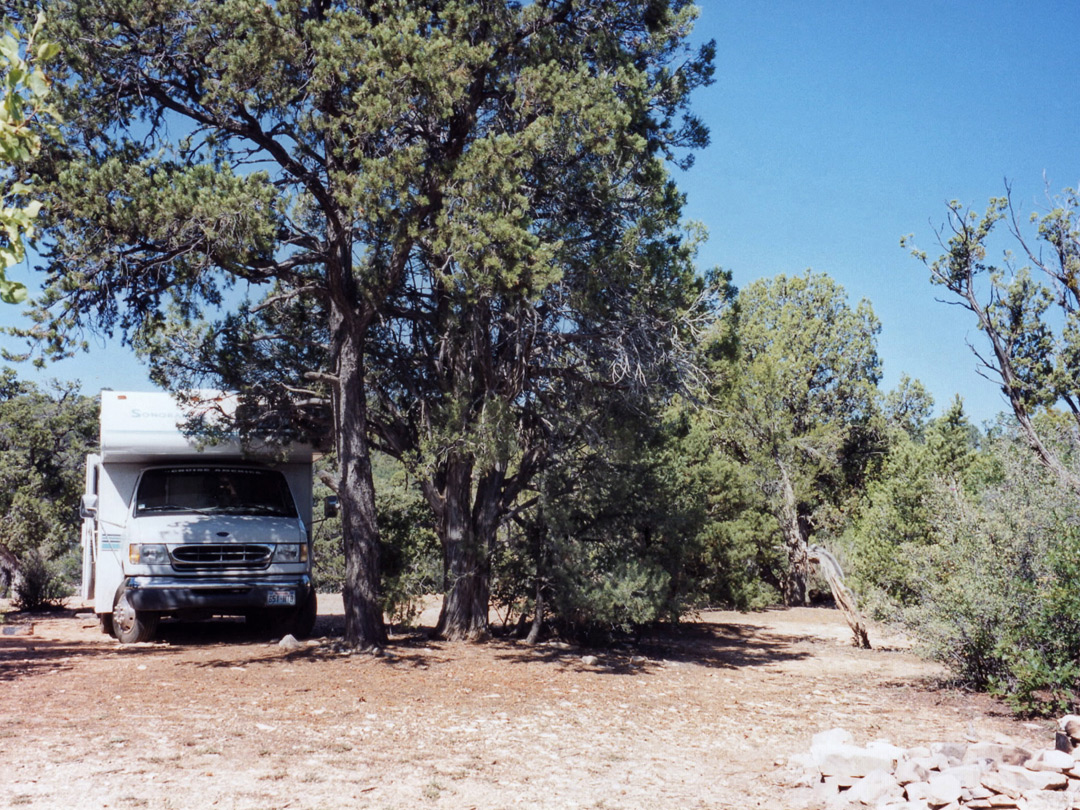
pixel 1047 800
pixel 1009 782
pixel 943 788
pixel 953 751
pixel 875 788
pixel 969 776
pixel 908 771
pixel 290 644
pixel 830 738
pixel 1070 724
pixel 1050 759
pixel 886 748
pixel 1008 754
pixel 850 760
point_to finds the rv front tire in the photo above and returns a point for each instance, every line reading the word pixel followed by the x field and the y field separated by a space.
pixel 131 626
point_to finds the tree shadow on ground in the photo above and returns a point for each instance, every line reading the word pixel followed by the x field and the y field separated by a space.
pixel 27 659
pixel 727 646
pixel 25 655
pixel 722 646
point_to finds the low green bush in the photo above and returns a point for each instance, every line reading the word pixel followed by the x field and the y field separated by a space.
pixel 996 595
pixel 40 584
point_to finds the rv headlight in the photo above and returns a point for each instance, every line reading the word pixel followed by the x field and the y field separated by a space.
pixel 291 553
pixel 148 554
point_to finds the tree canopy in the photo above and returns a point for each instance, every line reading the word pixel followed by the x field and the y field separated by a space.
pixel 1026 304
pixel 388 220
pixel 802 402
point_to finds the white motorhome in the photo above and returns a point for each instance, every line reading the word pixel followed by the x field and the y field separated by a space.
pixel 170 528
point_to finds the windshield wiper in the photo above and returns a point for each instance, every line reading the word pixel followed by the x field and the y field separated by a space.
pixel 171 507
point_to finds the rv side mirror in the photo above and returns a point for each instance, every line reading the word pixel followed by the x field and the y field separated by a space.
pixel 88 506
pixel 330 507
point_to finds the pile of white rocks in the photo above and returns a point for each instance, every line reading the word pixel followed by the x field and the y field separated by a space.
pixel 943 776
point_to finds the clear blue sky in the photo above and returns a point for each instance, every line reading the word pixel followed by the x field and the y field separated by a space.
pixel 838 127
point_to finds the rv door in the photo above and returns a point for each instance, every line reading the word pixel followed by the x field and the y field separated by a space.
pixel 89 526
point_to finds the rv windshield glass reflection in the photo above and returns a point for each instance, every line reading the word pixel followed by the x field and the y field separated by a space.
pixel 214 490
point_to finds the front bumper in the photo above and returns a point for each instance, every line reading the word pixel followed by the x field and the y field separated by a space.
pixel 164 594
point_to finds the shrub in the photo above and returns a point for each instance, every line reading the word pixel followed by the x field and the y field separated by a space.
pixel 39 584
pixel 620 595
pixel 997 598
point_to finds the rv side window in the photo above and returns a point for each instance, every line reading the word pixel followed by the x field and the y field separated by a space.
pixel 214 490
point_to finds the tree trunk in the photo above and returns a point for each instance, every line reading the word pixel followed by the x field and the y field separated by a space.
pixel 364 627
pixel 794 529
pixel 464 614
pixel 538 616
pixel 538 532
pixel 845 599
pixel 468 536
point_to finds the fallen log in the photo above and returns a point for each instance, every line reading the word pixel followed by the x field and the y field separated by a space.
pixel 844 598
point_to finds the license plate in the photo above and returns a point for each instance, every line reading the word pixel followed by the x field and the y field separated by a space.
pixel 282 597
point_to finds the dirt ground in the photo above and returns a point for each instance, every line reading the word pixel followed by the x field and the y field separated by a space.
pixel 208 716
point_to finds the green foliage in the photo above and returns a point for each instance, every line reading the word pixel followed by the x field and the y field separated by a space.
pixel 895 516
pixel 952 443
pixel 24 112
pixel 993 590
pixel 593 591
pixel 1028 313
pixel 40 584
pixel 908 407
pixel 44 438
pixel 898 515
pixel 411 558
pixel 1042 661
pixel 727 539
pixel 647 522
pixel 800 411
pixel 593 534
pixel 411 563
pixel 1020 637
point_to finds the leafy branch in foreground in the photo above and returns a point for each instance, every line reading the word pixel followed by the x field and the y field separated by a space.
pixel 23 110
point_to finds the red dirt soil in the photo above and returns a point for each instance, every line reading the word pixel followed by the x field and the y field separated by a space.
pixel 704 716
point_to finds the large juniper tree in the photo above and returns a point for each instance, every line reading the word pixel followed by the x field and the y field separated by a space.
pixel 801 412
pixel 410 192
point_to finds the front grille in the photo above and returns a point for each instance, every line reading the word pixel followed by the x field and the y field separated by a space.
pixel 225 555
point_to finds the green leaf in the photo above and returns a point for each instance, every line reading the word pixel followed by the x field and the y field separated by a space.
pixel 39 23
pixel 12 292
pixel 9 49
pixel 38 84
pixel 47 51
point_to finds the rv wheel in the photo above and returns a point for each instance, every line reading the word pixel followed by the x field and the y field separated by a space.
pixel 130 625
pixel 105 624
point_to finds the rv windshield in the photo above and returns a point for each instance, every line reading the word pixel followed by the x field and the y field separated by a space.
pixel 214 490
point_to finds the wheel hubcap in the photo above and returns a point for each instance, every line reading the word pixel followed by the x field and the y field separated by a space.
pixel 125 614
